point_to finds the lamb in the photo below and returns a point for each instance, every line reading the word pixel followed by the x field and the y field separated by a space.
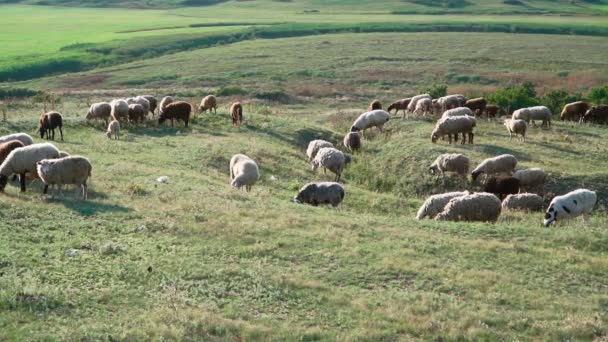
pixel 120 110
pixel 165 102
pixel 314 147
pixel 140 100
pixel 480 206
pixel 47 124
pixel 352 141
pixel 375 118
pixel 574 111
pixel 492 111
pixel 25 138
pixel 516 127
pixel 458 111
pixel 414 100
pixel 504 163
pixel 137 113
pixel 207 103
pixel 376 104
pixel 23 160
pixel 531 114
pixel 399 105
pixel 451 162
pixel 152 101
pixel 179 110
pixel 597 114
pixel 243 172
pixel 113 129
pixel 236 112
pixel 531 180
pixel 332 159
pixel 477 105
pixel 69 170
pixel 436 203
pixel 453 126
pixel 573 204
pixel 320 193
pixel 502 186
pixel 7 147
pixel 523 201
pixel 424 106
pixel 100 110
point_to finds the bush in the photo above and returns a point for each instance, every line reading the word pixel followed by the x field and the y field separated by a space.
pixel 229 91
pixel 555 100
pixel 275 96
pixel 436 90
pixel 17 92
pixel 598 95
pixel 514 97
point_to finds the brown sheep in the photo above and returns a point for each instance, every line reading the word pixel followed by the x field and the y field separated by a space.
pixel 477 105
pixel 597 114
pixel 137 113
pixel 7 147
pixel 574 111
pixel 352 140
pixel 502 186
pixel 375 105
pixel 399 105
pixel 492 111
pixel 209 102
pixel 47 124
pixel 236 111
pixel 179 110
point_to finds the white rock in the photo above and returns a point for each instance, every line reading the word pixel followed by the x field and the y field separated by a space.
pixel 163 179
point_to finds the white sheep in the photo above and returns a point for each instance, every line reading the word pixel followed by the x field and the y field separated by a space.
pixel 479 206
pixel 375 118
pixel 504 163
pixel 451 162
pixel 25 138
pixel 454 125
pixel 451 101
pixel 140 100
pixel 332 159
pixel 99 110
pixel 516 126
pixel 320 193
pixel 424 106
pixel 69 170
pixel 573 204
pixel 120 110
pixel 113 129
pixel 167 100
pixel 459 111
pixel 412 105
pixel 243 172
pixel 23 160
pixel 531 114
pixel 314 147
pixel 523 201
pixel 435 204
pixel 532 179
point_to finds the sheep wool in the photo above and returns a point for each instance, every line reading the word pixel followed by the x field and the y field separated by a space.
pixel 243 172
pixel 375 118
pixel 69 170
pixel 314 147
pixel 479 206
pixel 459 111
pixel 120 110
pixel 99 110
pixel 332 159
pixel 523 201
pixel 573 204
pixel 414 100
pixel 23 160
pixel 516 127
pixel 113 129
pixel 504 163
pixel 25 138
pixel 532 179
pixel 451 162
pixel 454 125
pixel 435 204
pixel 352 141
pixel 209 102
pixel 321 193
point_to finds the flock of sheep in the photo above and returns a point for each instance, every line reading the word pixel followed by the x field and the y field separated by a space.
pixel 504 188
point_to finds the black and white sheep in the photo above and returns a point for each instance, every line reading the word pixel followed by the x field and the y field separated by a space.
pixel 332 159
pixel 523 201
pixel 22 161
pixel 178 110
pixel 321 193
pixel 436 203
pixel 47 124
pixel 573 204
pixel 244 171
pixel 504 163
pixel 479 206
pixel 451 162
pixel 69 170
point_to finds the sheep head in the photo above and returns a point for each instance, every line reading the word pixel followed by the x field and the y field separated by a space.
pixel 3 181
pixel 355 129
pixel 550 216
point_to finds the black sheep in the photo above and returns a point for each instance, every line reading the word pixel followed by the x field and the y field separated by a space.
pixel 502 186
pixel 48 123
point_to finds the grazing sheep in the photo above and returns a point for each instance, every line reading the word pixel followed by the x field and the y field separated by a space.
pixel 137 113
pixel 152 101
pixel 414 100
pixel 570 205
pixel 504 163
pixel 100 110
pixel 69 170
pixel 436 203
pixel 320 193
pixel 424 107
pixel 179 110
pixel 23 160
pixel 524 201
pixel 375 118
pixel 113 129
pixel 451 162
pixel 236 112
pixel 399 105
pixel 492 110
pixel 25 138
pixel 532 114
pixel 574 111
pixel 597 114
pixel 479 206
pixel 454 125
pixel 502 186
pixel 375 105
pixel 167 100
pixel 531 180
pixel 332 159
pixel 140 100
pixel 314 147
pixel 120 110
pixel 458 111
pixel 352 141
pixel 516 127
pixel 209 102
pixel 7 147
pixel 451 101
pixel 47 124
pixel 243 172
pixel 477 105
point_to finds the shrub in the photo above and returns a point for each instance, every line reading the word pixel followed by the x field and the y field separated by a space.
pixel 515 97
pixel 436 90
pixel 598 95
pixel 229 91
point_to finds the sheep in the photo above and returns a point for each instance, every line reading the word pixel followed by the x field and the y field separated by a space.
pixel 320 193
pixel 597 114
pixel 523 201
pixel 25 138
pixel 531 180
pixel 352 141
pixel 140 100
pixel 458 111
pixel 435 204
pixel 23 160
pixel 243 172
pixel 69 170
pixel 424 106
pixel 479 206
pixel 375 118
pixel 165 102
pixel 453 126
pixel 332 159
pixel 47 124
pixel 531 114
pixel 152 101
pixel 502 186
pixel 504 163
pixel 207 103
pixel 492 111
pixel 7 147
pixel 414 100
pixel 99 110
pixel 451 101
pixel 477 105
pixel 179 110
pixel 375 104
pixel 451 162
pixel 570 205
pixel 574 111
pixel 113 129
pixel 120 110
pixel 137 113
pixel 399 105
pixel 516 127
pixel 236 112
pixel 314 147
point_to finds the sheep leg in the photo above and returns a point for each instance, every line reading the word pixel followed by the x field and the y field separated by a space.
pixel 61 131
pixel 85 190
pixel 464 138
pixel 171 122
pixel 585 218
pixel 450 139
pixel 22 179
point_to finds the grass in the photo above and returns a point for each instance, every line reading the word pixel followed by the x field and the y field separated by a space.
pixel 194 259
